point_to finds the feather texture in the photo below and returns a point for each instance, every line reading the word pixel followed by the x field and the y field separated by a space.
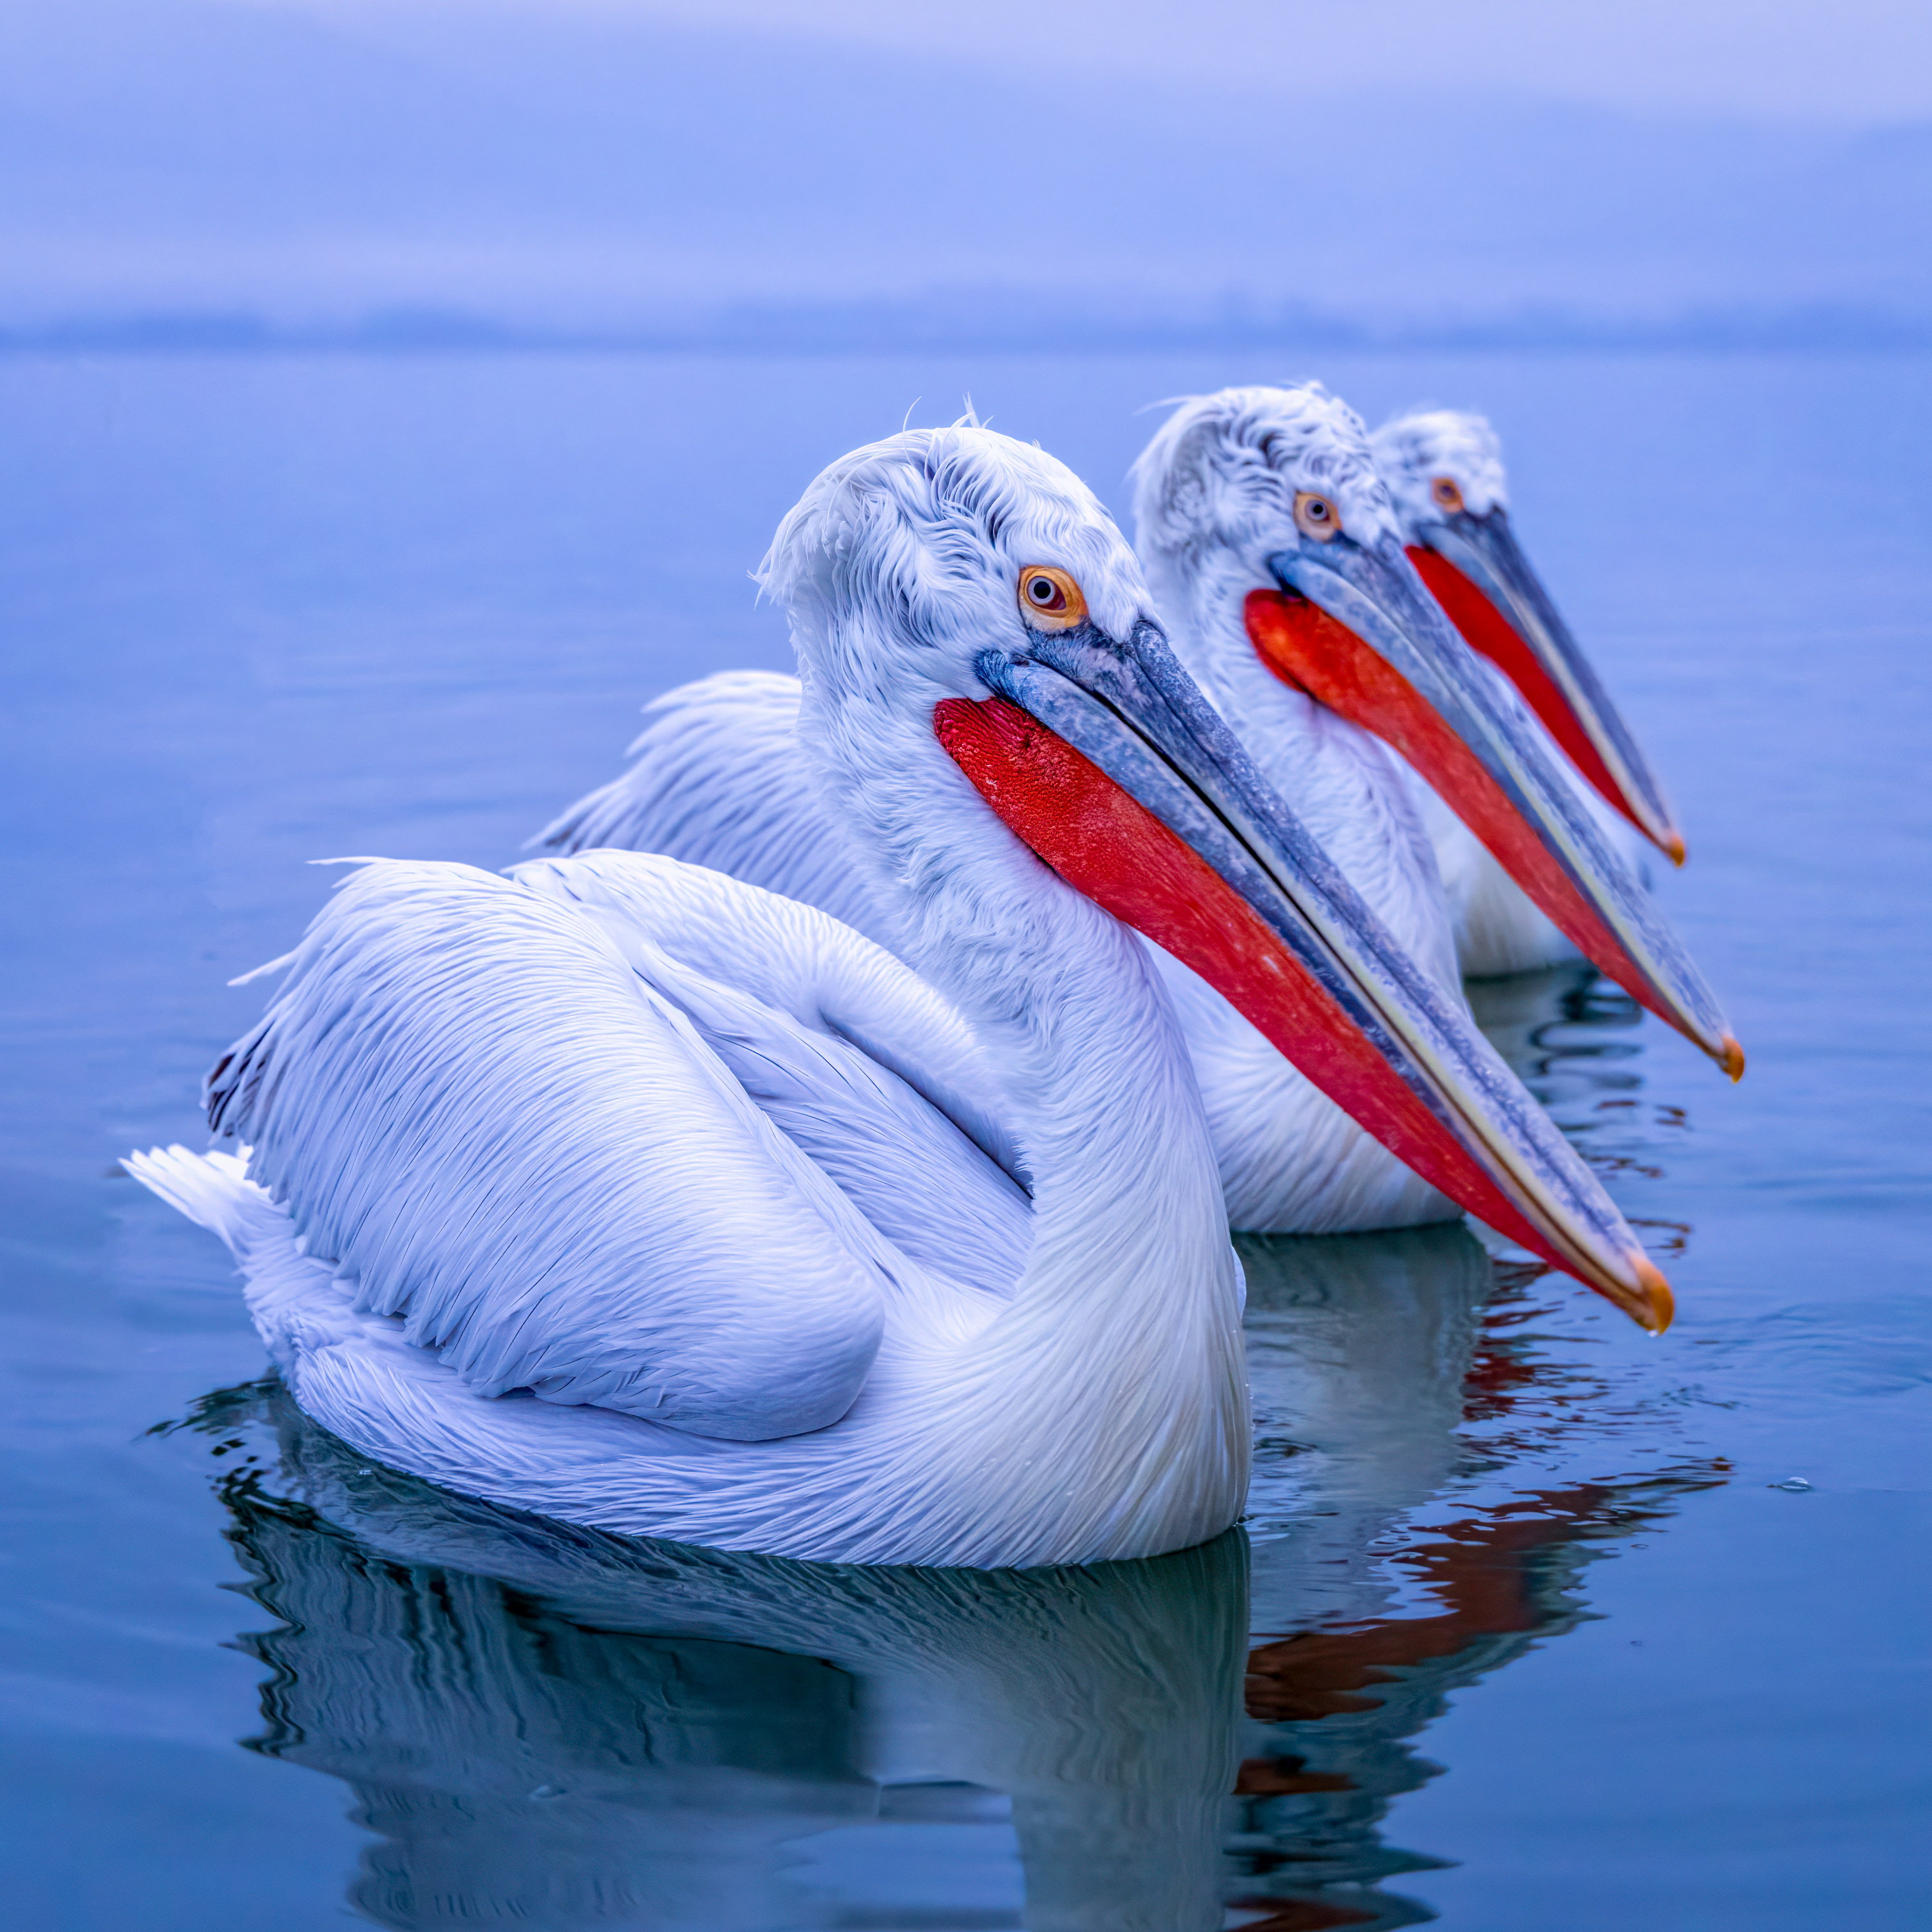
pixel 491 1126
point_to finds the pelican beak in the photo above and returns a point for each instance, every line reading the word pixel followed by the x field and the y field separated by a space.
pixel 1478 574
pixel 1354 626
pixel 1105 758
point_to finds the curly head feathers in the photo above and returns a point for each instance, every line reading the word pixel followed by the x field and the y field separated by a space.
pixel 1222 473
pixel 915 544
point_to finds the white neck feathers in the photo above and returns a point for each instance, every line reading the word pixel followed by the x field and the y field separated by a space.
pixel 1121 1350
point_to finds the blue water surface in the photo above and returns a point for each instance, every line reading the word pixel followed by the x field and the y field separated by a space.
pixel 1536 1622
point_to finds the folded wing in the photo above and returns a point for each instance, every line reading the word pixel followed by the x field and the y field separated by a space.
pixel 475 1108
pixel 856 1060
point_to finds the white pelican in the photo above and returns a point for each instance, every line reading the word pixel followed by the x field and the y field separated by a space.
pixel 1245 576
pixel 623 1191
pixel 1444 471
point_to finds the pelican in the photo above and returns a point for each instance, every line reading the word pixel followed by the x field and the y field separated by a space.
pixel 1266 533
pixel 622 1191
pixel 1444 471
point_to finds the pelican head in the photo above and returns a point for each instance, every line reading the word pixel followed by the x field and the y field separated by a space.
pixel 1444 471
pixel 1267 529
pixel 1439 462
pixel 1232 481
pixel 984 676
pixel 901 566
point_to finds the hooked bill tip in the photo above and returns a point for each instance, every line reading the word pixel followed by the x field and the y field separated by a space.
pixel 1674 845
pixel 1734 1057
pixel 1662 1304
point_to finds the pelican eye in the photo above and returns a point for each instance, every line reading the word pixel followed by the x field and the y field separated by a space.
pixel 1050 599
pixel 1445 494
pixel 1316 517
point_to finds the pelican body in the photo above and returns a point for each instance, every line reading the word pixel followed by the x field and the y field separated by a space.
pixel 1259 601
pixel 624 1192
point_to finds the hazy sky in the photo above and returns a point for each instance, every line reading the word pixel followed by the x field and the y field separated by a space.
pixel 595 161
pixel 1858 61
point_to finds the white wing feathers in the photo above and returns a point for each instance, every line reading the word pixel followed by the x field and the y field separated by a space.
pixel 788 954
pixel 744 715
pixel 855 1059
pixel 716 778
pixel 504 1133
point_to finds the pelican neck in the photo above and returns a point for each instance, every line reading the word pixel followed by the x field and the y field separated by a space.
pixel 1353 794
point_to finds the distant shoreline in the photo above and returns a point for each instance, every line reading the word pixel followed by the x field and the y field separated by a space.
pixel 987 326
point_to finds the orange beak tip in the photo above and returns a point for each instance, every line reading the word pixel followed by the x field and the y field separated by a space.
pixel 1662 1304
pixel 1674 846
pixel 1733 1061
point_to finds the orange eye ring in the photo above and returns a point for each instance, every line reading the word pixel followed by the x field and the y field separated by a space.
pixel 1050 600
pixel 1446 493
pixel 1316 517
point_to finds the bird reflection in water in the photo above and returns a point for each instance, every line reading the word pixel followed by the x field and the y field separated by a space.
pixel 1331 1712
pixel 551 1726
pixel 557 1728
pixel 1383 1367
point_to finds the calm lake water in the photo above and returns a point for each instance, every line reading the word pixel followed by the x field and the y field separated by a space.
pixel 1536 1623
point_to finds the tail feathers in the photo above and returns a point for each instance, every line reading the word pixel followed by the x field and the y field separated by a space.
pixel 300 1308
pixel 213 1191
